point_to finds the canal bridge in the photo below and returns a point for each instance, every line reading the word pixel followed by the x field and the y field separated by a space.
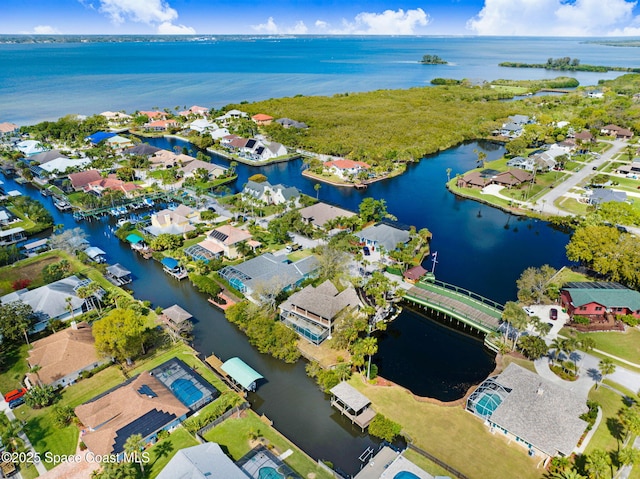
pixel 453 303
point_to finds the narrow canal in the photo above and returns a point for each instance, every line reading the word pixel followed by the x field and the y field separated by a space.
pixel 479 248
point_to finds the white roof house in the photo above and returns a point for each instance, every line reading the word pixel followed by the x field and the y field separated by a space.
pixel 30 147
pixel 204 461
pixel 62 164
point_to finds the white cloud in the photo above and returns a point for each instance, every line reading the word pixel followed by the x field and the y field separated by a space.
pixel 321 25
pixel 389 22
pixel 554 17
pixel 157 13
pixel 45 30
pixel 272 28
pixel 168 28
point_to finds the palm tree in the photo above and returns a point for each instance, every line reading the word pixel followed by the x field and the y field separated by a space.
pixel 628 456
pixel 369 348
pixel 132 447
pixel 598 464
pixel 557 345
pixel 317 187
pixel 606 367
pixel 448 175
pixel 68 301
pixel 482 156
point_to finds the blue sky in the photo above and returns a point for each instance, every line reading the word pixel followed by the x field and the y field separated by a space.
pixel 344 17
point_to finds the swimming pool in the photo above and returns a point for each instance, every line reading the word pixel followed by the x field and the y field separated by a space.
pixel 270 473
pixel 487 404
pixel 187 392
pixel 405 475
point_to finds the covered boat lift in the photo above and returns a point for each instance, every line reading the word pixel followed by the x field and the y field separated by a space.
pixel 241 373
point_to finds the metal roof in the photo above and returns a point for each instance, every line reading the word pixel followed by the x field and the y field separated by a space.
pixel 134 238
pixel 350 396
pixel 241 372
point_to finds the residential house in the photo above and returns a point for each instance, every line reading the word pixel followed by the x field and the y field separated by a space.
pixel 320 214
pixel 99 136
pixel 473 179
pixel 175 222
pixel 632 169
pixel 202 125
pixel 515 126
pixel 116 118
pixel 225 240
pixel 602 195
pixel 119 143
pixel 584 136
pixel 63 164
pixel 480 179
pixel 30 147
pixel 547 160
pixel 168 159
pixel 346 168
pixel 63 356
pixel 160 125
pixel 195 110
pixel 81 179
pixel 289 123
pixel 595 94
pixel 57 300
pixel 111 183
pixel 512 178
pixel 142 149
pixel 617 131
pixel 382 235
pixel 230 116
pixel 268 269
pixel 215 171
pixel 521 163
pixel 45 157
pixel 204 461
pixel 142 405
pixel 270 194
pixel 599 301
pixel 312 312
pixel 8 130
pixel 262 119
pixel 531 411
pixel 153 115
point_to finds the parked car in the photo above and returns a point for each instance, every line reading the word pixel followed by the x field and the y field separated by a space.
pixel 365 250
pixel 553 314
pixel 529 311
pixel 15 394
pixel 16 402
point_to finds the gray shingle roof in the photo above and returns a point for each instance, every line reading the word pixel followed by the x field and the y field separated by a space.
pixel 320 213
pixel 205 461
pixel 542 413
pixel 384 235
pixel 324 301
pixel 267 267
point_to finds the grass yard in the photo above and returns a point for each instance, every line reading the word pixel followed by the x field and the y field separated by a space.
pixel 298 255
pixel 572 205
pixel 477 194
pixel 234 434
pixel 623 345
pixel 425 464
pixel 45 435
pixel 514 90
pixel 86 389
pixel 451 434
pixel 606 437
pixel 30 268
pixel 14 367
pixel 566 275
pixel 162 452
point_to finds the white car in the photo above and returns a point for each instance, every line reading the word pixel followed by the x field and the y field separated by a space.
pixel 529 311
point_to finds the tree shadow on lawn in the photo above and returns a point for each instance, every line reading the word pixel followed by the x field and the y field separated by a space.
pixel 162 449
pixel 616 429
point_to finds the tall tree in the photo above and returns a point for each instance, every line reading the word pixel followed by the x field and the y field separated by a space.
pixel 16 319
pixel 132 446
pixel 598 464
pixel 120 334
pixel 516 317
pixel 533 283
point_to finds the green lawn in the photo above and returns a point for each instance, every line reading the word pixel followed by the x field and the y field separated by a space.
pixel 14 367
pixel 425 464
pixel 451 434
pixel 572 206
pixel 45 436
pixel 234 434
pixel 611 403
pixel 566 275
pixel 162 452
pixel 623 345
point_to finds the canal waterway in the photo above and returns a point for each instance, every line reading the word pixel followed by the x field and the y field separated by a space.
pixel 479 247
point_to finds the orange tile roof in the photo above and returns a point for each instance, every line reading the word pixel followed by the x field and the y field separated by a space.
pixel 261 117
pixel 347 164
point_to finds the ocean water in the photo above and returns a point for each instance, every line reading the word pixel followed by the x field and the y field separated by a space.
pixel 45 81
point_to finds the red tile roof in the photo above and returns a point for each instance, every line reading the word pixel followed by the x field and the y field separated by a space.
pixel 83 178
pixel 261 117
pixel 347 164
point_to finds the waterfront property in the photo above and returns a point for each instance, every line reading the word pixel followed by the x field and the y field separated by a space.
pixel 175 222
pixel 382 235
pixel 486 177
pixel 353 404
pixel 390 464
pixel 57 300
pixel 95 254
pixel 535 413
pixel 270 194
pixel 601 302
pixel 173 268
pixel 262 463
pixel 346 169
pixel 268 269
pixel 80 180
pixel 602 195
pixel 63 356
pixel 225 240
pixel 241 373
pixel 213 170
pixel 12 236
pixel 199 462
pixel 185 383
pixel 142 405
pixel 311 312
pixel 320 214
